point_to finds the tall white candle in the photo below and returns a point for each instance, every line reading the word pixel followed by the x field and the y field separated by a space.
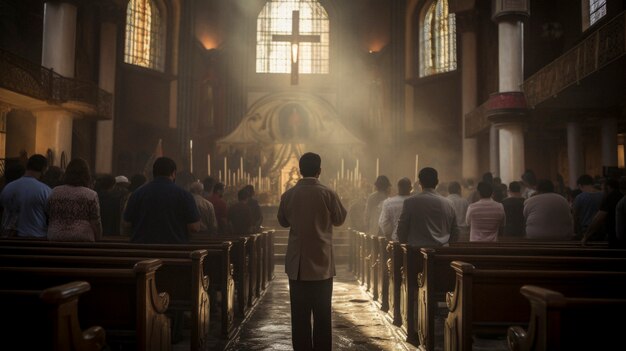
pixel 416 165
pixel 191 155
pixel 220 173
pixel 357 166
pixel 225 170
pixel 342 168
pixel 208 164
pixel 377 164
pixel 259 176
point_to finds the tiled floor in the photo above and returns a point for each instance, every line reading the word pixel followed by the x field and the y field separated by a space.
pixel 357 323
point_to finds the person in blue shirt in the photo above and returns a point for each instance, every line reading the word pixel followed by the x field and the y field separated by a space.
pixel 160 212
pixel 24 202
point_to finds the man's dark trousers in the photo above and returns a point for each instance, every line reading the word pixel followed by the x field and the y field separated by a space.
pixel 311 297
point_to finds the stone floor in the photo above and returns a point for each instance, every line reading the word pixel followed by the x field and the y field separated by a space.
pixel 357 323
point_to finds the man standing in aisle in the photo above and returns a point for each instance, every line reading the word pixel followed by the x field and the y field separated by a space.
pixel 311 210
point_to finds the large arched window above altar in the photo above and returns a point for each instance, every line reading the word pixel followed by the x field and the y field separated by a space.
pixel 310 46
pixel 145 35
pixel 437 39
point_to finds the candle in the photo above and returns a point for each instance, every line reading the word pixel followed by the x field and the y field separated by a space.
pixel 377 164
pixel 342 168
pixel 190 155
pixel 241 165
pixel 357 166
pixel 208 164
pixel 220 173
pixel 416 165
pixel 225 170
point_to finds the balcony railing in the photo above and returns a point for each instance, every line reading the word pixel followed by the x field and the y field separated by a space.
pixel 27 78
pixel 476 121
pixel 599 49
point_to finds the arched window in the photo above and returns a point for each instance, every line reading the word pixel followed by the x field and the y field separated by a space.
pixel 145 38
pixel 437 39
pixel 276 19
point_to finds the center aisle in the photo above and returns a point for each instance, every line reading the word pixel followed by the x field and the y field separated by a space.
pixel 357 323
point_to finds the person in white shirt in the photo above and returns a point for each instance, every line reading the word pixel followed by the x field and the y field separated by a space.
pixel 548 215
pixel 392 208
pixel 485 217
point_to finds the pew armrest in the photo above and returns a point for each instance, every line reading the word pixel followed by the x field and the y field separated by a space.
pixel 96 337
pixel 517 339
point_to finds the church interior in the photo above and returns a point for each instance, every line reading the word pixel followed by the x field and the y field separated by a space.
pixel 239 90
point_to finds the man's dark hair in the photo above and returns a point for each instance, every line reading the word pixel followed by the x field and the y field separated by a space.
pixel 485 190
pixel 77 173
pixel 243 194
pixel 454 188
pixel 545 186
pixel 584 179
pixel 105 182
pixel 250 189
pixel 515 187
pixel 382 183
pixel 218 187
pixel 404 186
pixel 163 167
pixel 428 177
pixel 310 164
pixel 488 178
pixel 529 177
pixel 37 163
pixel 208 183
pixel 136 181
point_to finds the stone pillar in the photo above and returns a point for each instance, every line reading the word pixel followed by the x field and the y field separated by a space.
pixel 609 142
pixel 54 131
pixel 54 126
pixel 469 97
pixel 574 153
pixel 508 107
pixel 494 151
pixel 59 37
pixel 104 132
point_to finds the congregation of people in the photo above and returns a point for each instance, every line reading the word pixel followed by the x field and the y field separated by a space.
pixel 433 213
pixel 71 204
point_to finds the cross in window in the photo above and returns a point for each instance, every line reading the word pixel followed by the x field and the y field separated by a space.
pixel 295 39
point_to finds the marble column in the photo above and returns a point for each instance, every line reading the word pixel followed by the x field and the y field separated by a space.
pixel 574 153
pixel 54 126
pixel 104 131
pixel 511 152
pixel 510 16
pixel 609 142
pixel 494 151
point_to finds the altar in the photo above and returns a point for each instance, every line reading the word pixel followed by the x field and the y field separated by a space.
pixel 274 133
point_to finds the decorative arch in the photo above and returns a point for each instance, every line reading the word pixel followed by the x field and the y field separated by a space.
pixel 275 18
pixel 437 33
pixel 145 39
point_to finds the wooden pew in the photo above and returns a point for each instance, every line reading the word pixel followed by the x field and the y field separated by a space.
pixel 217 263
pixel 125 302
pixel 383 274
pixel 47 320
pixel 559 323
pixel 437 278
pixel 395 272
pixel 182 278
pixel 488 300
pixel 374 254
pixel 413 266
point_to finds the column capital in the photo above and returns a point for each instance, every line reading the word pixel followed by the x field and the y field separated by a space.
pixel 4 108
pixel 502 10
pixel 507 107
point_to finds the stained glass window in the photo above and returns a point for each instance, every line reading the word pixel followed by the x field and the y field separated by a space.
pixel 144 35
pixel 437 40
pixel 276 19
